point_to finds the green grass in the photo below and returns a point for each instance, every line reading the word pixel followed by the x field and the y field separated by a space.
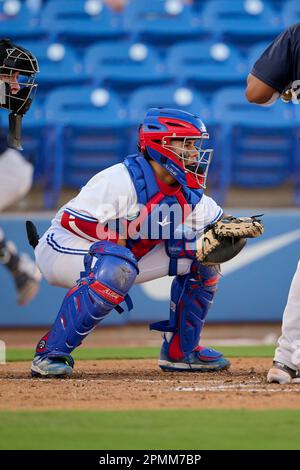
pixel 142 353
pixel 151 429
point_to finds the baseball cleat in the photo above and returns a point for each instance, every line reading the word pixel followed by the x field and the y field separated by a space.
pixel 27 280
pixel 200 360
pixel 48 367
pixel 282 374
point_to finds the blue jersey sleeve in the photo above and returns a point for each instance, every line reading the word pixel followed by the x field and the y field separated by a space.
pixel 275 65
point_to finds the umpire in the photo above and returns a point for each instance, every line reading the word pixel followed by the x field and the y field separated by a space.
pixel 275 74
pixel 18 67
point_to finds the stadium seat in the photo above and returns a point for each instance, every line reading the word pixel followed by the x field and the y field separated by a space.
pixel 17 21
pixel 296 174
pixel 258 142
pixel 124 64
pixel 255 52
pixel 80 21
pixel 162 21
pixel 89 133
pixel 58 63
pixel 34 138
pixel 206 63
pixel 242 20
pixel 291 13
pixel 166 96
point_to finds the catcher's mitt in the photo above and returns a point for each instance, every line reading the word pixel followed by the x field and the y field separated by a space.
pixel 226 238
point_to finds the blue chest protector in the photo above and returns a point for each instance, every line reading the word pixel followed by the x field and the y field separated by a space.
pixel 159 222
pixel 146 186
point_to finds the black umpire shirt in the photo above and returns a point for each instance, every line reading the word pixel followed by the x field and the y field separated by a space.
pixel 279 65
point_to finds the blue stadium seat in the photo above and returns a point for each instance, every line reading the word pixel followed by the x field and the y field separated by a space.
pixel 258 142
pixel 296 174
pixel 206 63
pixel 242 20
pixel 34 140
pixel 58 63
pixel 81 21
pixel 162 21
pixel 166 96
pixel 124 64
pixel 255 52
pixel 89 134
pixel 17 21
pixel 291 12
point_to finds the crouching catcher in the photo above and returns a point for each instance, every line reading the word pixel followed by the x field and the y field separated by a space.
pixel 99 261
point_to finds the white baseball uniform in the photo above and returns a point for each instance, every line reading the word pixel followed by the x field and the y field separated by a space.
pixel 15 177
pixel 288 351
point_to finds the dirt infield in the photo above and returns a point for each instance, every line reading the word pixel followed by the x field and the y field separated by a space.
pixel 139 384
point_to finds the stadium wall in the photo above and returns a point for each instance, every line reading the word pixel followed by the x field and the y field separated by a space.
pixel 254 286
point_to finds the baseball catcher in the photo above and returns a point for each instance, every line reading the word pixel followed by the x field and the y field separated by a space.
pixel 139 220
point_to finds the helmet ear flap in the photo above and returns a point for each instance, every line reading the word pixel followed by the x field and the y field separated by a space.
pixel 141 144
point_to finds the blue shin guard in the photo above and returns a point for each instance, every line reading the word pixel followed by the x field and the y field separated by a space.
pixel 98 291
pixel 191 298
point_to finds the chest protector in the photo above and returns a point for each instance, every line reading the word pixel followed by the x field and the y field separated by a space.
pixel 163 208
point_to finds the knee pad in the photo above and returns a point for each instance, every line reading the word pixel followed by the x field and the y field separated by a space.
pixel 110 271
pixel 191 298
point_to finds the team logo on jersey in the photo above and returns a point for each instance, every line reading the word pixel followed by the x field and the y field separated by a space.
pixel 164 222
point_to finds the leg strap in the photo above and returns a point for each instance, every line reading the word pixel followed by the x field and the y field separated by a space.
pixel 191 297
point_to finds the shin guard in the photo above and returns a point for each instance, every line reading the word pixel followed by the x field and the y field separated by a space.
pixel 191 297
pixel 98 291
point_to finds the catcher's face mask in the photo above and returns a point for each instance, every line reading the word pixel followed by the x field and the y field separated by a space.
pixel 17 86
pixel 193 158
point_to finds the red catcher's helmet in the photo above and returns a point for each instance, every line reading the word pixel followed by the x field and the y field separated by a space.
pixel 187 162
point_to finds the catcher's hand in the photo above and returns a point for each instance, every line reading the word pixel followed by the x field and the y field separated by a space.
pixel 226 238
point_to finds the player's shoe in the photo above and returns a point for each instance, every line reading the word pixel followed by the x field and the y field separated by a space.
pixel 200 360
pixel 27 279
pixel 48 367
pixel 282 374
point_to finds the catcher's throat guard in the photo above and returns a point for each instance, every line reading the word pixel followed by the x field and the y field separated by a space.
pixel 18 68
pixel 14 131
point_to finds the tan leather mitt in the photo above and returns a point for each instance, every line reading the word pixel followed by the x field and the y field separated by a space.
pixel 226 238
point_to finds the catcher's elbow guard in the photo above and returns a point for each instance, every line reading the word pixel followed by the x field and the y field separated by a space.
pixel 225 251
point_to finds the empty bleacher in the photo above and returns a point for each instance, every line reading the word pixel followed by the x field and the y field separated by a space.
pixel 101 70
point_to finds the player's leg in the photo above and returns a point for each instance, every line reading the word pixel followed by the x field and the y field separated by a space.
pixel 60 256
pixel 287 356
pixel 15 182
pixel 25 273
pixel 191 297
pixel 110 271
pixel 192 293
pixel 15 177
